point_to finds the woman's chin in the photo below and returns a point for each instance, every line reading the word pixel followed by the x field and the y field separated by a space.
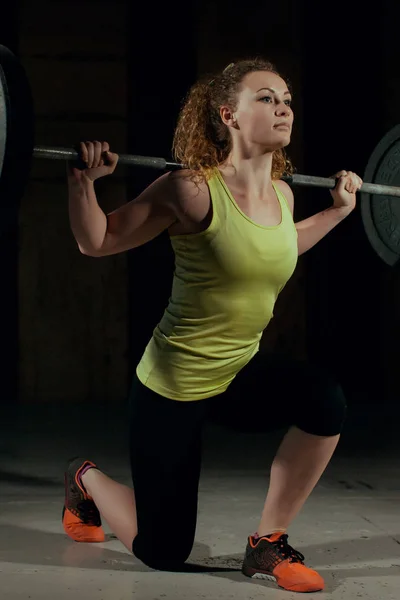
pixel 277 144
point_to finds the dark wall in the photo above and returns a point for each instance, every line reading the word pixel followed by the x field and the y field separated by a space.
pixel 73 308
pixel 345 104
pixel 162 66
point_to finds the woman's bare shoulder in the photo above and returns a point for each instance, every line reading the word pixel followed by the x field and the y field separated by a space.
pixel 187 184
pixel 192 197
pixel 286 191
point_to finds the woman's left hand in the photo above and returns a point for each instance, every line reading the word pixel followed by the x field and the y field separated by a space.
pixel 344 194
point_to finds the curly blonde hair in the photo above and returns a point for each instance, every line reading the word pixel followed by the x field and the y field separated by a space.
pixel 201 140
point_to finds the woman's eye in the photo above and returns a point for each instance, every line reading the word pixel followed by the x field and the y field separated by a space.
pixel 268 99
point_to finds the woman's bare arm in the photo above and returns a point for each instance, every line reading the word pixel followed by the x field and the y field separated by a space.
pixel 163 203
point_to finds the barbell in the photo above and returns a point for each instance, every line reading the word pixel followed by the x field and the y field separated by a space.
pixel 380 213
pixel 162 164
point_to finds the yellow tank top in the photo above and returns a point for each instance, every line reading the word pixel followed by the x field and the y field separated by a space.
pixel 225 285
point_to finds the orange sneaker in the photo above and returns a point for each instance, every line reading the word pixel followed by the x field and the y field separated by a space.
pixel 80 517
pixel 271 557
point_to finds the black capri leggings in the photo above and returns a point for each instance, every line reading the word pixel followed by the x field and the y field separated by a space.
pixel 165 442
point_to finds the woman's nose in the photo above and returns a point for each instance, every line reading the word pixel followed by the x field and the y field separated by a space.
pixel 283 109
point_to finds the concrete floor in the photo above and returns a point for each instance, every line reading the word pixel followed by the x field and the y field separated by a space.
pixel 349 530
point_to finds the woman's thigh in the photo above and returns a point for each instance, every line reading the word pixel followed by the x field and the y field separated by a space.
pixel 165 453
pixel 274 392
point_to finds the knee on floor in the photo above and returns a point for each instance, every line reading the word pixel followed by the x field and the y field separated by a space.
pixel 152 554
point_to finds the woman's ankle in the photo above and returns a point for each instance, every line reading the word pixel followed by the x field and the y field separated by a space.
pixel 86 477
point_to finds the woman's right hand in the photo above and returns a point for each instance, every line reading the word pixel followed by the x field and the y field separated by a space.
pixel 98 160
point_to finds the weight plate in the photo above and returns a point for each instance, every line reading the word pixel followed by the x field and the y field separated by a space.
pixel 381 214
pixel 16 136
pixel 3 118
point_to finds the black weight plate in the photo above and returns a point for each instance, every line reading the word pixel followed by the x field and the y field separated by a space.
pixel 16 136
pixel 381 214
pixel 3 118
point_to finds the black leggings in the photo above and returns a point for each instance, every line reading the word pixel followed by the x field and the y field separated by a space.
pixel 165 442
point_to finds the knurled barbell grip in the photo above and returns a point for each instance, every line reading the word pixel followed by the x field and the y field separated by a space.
pixel 124 159
pixel 329 183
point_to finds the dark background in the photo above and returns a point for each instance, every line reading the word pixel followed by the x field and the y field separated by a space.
pixel 74 327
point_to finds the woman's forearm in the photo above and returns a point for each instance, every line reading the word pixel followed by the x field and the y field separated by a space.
pixel 88 221
pixel 312 230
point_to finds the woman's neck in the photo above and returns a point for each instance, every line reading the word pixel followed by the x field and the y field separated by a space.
pixel 250 175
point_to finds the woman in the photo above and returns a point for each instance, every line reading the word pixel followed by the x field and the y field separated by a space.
pixel 229 216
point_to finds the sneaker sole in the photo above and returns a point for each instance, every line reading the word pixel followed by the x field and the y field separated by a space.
pixel 254 574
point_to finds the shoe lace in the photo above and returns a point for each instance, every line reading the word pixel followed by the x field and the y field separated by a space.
pixel 287 551
pixel 88 513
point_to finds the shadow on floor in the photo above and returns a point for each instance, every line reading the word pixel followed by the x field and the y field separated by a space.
pixel 29 480
pixel 22 546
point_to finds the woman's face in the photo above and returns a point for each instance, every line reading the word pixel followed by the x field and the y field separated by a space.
pixel 263 116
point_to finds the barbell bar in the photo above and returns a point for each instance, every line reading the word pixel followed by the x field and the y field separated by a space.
pixel 69 154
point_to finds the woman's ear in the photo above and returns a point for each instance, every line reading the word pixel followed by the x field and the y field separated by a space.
pixel 227 116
